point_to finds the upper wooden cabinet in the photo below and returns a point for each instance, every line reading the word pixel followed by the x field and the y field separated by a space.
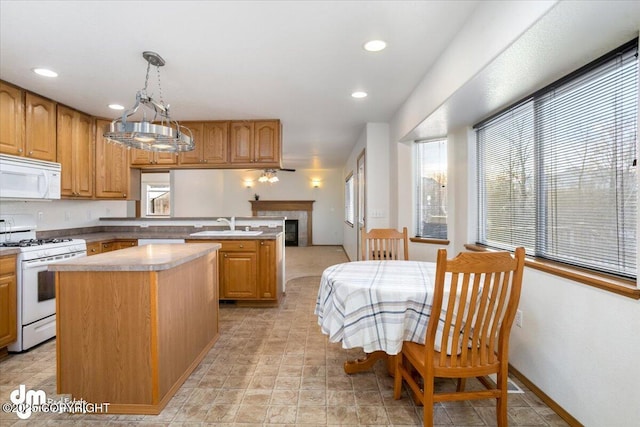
pixel 40 135
pixel 75 152
pixel 113 179
pixel 27 124
pixel 11 120
pixel 255 143
pixel 152 158
pixel 211 141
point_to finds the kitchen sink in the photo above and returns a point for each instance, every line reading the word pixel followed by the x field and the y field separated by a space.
pixel 214 233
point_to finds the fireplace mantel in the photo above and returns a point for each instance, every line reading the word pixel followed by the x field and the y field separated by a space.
pixel 286 205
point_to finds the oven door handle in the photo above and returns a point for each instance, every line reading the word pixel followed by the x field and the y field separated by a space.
pixel 35 263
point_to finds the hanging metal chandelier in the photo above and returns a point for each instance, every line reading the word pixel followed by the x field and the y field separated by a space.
pixel 268 175
pixel 160 133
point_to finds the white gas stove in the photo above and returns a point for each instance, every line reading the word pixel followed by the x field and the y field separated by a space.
pixel 35 284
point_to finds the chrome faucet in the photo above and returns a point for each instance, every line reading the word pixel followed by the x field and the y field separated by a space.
pixel 231 223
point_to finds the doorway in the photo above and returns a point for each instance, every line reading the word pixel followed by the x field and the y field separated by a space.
pixel 361 201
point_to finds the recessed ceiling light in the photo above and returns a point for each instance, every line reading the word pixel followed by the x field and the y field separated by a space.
pixel 359 94
pixel 375 45
pixel 45 72
pixel 116 107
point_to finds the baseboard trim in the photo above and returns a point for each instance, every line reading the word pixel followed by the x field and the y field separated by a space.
pixel 546 399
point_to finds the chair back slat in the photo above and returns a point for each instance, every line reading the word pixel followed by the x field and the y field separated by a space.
pixel 476 291
pixel 385 244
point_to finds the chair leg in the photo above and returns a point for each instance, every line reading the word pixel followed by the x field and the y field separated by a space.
pixel 397 377
pixel 462 382
pixel 427 402
pixel 501 404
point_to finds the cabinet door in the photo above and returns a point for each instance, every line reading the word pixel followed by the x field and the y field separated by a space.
pixel 123 244
pixel 193 157
pixel 166 158
pixel 241 142
pixel 267 269
pixel 40 127
pixel 11 120
pixel 83 169
pixel 113 176
pixel 267 142
pixel 141 157
pixel 65 149
pixel 8 301
pixel 239 280
pixel 94 248
pixel 215 142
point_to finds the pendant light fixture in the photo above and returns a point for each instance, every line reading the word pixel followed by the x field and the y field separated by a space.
pixel 156 133
pixel 268 175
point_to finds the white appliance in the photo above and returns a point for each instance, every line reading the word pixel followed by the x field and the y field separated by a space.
pixel 23 178
pixel 35 284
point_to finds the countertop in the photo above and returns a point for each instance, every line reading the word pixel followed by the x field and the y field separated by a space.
pixel 138 258
pixel 9 251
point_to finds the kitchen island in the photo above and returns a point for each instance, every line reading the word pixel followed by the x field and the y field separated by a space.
pixel 133 324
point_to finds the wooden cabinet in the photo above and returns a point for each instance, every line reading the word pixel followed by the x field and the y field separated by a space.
pixel 250 270
pixel 8 301
pixel 40 128
pixel 238 269
pixel 75 153
pixel 11 120
pixel 211 142
pixel 113 177
pixel 255 143
pixel 123 244
pixel 104 246
pixel 27 124
pixel 152 158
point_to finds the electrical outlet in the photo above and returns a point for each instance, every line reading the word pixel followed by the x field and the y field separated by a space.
pixel 519 318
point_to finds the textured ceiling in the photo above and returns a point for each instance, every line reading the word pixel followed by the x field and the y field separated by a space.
pixel 296 61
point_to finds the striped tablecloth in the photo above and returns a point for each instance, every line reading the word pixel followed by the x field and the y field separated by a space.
pixel 376 305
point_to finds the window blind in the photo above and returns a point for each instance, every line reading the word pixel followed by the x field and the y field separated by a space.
pixel 557 172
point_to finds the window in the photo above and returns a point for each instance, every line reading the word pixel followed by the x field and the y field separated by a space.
pixel 431 189
pixel 156 194
pixel 557 172
pixel 349 200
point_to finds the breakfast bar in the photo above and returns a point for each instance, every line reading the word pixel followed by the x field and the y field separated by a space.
pixel 133 324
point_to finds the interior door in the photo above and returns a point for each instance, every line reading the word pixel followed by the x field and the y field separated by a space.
pixel 361 200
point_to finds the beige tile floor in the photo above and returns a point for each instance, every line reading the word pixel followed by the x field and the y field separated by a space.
pixel 273 366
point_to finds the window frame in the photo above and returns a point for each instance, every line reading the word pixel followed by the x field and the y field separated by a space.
pixel 619 283
pixel 418 190
pixel 349 200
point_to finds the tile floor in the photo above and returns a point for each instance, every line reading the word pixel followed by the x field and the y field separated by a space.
pixel 273 366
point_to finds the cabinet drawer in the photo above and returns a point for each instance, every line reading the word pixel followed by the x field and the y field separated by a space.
pixel 94 248
pixel 239 245
pixel 7 265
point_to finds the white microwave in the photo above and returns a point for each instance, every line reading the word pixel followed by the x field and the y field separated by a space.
pixel 22 178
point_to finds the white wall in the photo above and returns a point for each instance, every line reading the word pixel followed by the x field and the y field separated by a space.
pixel 578 344
pixel 214 193
pixel 61 214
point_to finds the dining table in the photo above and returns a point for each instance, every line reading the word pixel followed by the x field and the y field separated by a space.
pixel 375 305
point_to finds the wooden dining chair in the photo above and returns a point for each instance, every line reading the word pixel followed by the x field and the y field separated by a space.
pixel 475 301
pixel 385 244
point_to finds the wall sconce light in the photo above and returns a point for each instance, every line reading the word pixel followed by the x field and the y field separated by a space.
pixel 248 183
pixel 315 183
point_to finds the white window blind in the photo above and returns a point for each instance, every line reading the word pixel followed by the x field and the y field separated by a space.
pixel 557 172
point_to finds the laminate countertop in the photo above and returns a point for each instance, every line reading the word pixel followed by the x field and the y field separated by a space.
pixel 138 258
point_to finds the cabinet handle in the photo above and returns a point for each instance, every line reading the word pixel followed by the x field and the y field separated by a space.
pixel 19 150
pixel 242 246
pixel 261 243
pixel 225 255
pixel 30 153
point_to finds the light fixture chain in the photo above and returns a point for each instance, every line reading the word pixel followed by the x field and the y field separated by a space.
pixel 146 79
pixel 160 86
